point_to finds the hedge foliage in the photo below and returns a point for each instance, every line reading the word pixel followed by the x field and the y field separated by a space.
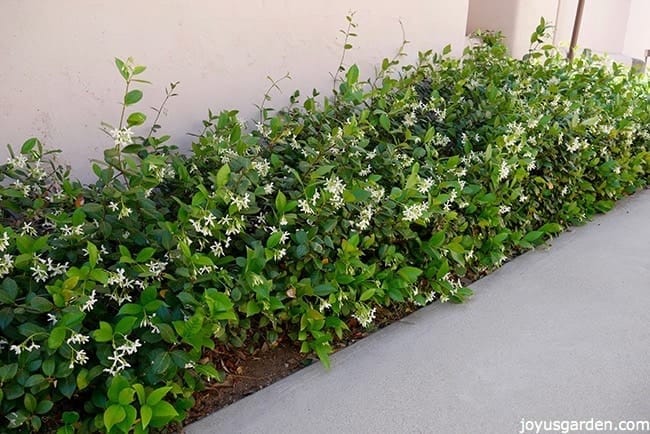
pixel 388 192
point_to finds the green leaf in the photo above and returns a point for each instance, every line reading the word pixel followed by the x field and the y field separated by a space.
pixel 368 294
pixel 8 371
pixel 93 254
pixel 324 289
pixel 44 406
pixel 125 325
pixel 273 240
pixel 533 236
pixel 384 122
pixel 30 402
pixel 157 395
pixel 223 175
pixel 104 333
pixel 113 415
pixel 252 308
pixel 33 380
pixel 48 367
pixel 410 274
pixel 352 76
pixel 136 119
pixel 280 202
pixel 132 97
pixel 437 239
pixel 56 338
pixel 126 396
pixel 41 304
pixel 121 67
pixel 82 380
pixel 163 412
pixel 551 228
pixel 146 413
pixel 145 254
pixel 28 146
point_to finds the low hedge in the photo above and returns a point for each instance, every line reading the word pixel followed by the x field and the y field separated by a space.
pixel 391 191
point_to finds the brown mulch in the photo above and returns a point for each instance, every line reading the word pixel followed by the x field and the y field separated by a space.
pixel 246 373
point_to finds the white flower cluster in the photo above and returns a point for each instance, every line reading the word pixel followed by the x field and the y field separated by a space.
pixel 77 338
pixel 90 303
pixel 26 188
pixel 305 207
pixel 123 284
pixel 415 211
pixel 364 218
pixel 404 160
pixel 69 231
pixel 44 269
pixel 504 170
pixel 262 167
pixel 122 136
pixel 440 140
pixel 18 162
pixel 24 347
pixel 364 314
pixel 241 202
pixel 4 241
pixel 119 356
pixel 377 193
pixel 157 267
pixel 424 185
pixel 147 322
pixel 576 145
pixel 163 172
pixel 409 119
pixel 6 264
pixel 27 229
pixel 335 186
pixel 205 224
pixel 449 202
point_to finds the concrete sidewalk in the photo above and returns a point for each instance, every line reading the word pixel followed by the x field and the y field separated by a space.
pixel 559 333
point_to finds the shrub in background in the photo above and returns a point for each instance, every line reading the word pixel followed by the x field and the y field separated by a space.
pixel 392 191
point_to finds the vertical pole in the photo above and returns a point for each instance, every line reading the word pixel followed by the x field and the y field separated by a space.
pixel 576 29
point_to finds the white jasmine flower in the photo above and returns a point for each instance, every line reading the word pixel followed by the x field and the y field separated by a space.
pixel 124 212
pixel 424 185
pixel 279 254
pixel 262 167
pixel 324 305
pixel 504 171
pixel 80 358
pixel 90 303
pixel 77 338
pixel 335 185
pixel 27 229
pixel 414 212
pixel 4 241
pixel 6 265
pixel 365 315
pixel 242 202
pixel 503 209
pixel 122 137
pixel 305 207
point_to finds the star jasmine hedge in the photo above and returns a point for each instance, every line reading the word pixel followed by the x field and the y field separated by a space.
pixel 389 192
